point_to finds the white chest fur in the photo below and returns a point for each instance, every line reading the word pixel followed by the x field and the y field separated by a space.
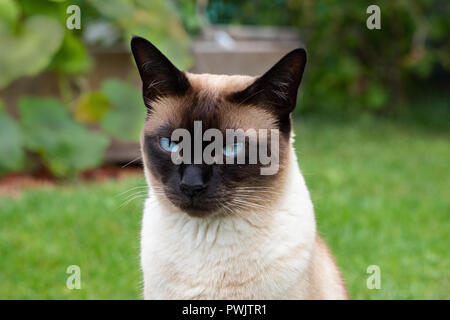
pixel 261 256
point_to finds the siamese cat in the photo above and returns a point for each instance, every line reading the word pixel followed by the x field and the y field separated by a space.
pixel 226 231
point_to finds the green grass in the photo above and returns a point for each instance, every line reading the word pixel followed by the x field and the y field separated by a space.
pixel 381 193
pixel 45 231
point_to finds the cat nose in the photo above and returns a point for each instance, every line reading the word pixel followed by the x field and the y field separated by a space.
pixel 192 183
pixel 192 190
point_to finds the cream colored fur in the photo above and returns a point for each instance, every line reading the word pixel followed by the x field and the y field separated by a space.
pixel 270 254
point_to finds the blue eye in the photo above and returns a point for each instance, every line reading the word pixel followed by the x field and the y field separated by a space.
pixel 232 149
pixel 168 145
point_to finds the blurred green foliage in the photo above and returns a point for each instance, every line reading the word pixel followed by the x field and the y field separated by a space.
pixel 91 107
pixel 34 36
pixel 37 39
pixel 117 108
pixel 350 67
pixel 12 153
pixel 156 20
pixel 258 12
pixel 190 14
pixel 24 54
pixel 65 146
pixel 125 117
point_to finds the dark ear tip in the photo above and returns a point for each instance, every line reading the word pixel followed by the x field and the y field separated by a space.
pixel 299 52
pixel 135 40
pixel 141 43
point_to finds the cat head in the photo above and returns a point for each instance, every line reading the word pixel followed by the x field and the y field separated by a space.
pixel 196 103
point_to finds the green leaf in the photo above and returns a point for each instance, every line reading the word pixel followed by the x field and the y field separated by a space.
pixel 126 115
pixel 376 96
pixel 159 22
pixel 65 146
pixel 156 20
pixel 72 57
pixel 91 107
pixel 9 12
pixel 30 52
pixel 12 154
pixel 113 9
pixel 49 8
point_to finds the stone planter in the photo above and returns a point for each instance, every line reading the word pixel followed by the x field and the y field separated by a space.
pixel 242 50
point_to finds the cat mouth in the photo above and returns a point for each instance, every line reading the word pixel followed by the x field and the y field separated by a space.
pixel 199 210
pixel 196 206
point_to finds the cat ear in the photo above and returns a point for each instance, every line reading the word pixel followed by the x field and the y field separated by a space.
pixel 277 88
pixel 159 76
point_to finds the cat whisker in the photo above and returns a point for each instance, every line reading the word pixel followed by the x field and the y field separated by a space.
pixel 138 158
pixel 225 207
pixel 131 189
pixel 139 194
pixel 127 202
pixel 256 192
pixel 248 196
pixel 248 204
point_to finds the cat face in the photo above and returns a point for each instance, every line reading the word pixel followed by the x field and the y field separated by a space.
pixel 180 100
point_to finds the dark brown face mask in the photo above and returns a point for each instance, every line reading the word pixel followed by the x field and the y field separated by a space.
pixel 176 99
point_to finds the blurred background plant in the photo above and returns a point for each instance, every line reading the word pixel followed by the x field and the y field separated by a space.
pixel 351 69
pixel 26 25
pixel 34 39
